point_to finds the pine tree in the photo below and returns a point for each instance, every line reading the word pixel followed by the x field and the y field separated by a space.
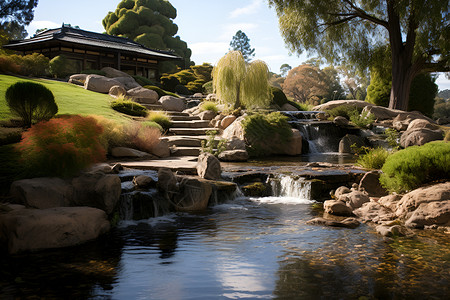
pixel 240 42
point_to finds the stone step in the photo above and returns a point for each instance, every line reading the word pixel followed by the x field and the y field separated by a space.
pixel 184 141
pixel 185 151
pixel 190 124
pixel 177 113
pixel 184 118
pixel 189 131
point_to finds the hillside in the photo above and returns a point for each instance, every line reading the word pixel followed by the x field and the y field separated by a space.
pixel 71 99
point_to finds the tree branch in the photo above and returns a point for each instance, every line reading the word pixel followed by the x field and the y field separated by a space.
pixel 364 15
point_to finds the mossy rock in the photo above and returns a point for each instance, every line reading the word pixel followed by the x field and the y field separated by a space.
pixel 257 189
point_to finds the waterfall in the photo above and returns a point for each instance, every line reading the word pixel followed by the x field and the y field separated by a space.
pixel 322 136
pixel 287 186
pixel 139 205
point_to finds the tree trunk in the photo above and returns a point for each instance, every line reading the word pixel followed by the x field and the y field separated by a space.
pixel 237 104
pixel 401 84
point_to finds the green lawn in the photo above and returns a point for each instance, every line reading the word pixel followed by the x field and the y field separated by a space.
pixel 71 99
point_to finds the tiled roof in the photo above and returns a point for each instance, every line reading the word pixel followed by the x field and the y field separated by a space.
pixel 94 39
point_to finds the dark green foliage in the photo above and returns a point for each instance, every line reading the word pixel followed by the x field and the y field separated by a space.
pixel 240 42
pixel 414 166
pixel 441 110
pixel 160 91
pixel 94 72
pixel 361 120
pixel 169 82
pixel 128 107
pixel 373 158
pixel 212 144
pixel 10 168
pixel 422 93
pixel 182 90
pixel 143 80
pixel 28 65
pixel 150 23
pixel 279 98
pixel 266 133
pixel 30 101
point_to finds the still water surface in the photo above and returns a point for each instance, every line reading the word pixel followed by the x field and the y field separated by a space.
pixel 248 249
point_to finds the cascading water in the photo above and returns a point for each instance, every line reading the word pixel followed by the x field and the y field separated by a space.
pixel 287 186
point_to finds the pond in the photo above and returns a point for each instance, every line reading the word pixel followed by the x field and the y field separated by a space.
pixel 249 248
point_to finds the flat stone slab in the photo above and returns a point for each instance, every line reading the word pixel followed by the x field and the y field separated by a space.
pixel 185 164
pixel 190 124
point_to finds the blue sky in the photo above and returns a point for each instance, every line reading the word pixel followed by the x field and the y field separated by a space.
pixel 206 25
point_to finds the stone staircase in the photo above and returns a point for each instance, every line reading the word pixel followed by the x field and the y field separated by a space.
pixel 186 134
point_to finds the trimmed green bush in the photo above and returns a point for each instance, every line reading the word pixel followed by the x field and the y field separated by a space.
pixel 62 146
pixel 373 158
pixel 160 91
pixel 160 118
pixel 129 107
pixel 408 169
pixel 58 66
pixel 30 101
pixel 209 105
pixel 266 133
pixel 279 98
pixel 182 90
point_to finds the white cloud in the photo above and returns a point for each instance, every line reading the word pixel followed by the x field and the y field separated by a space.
pixel 35 25
pixel 252 8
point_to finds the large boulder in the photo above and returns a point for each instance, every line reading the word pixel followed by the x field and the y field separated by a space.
pixel 226 121
pixel 336 207
pixel 171 103
pixel 235 143
pixel 42 192
pixel 112 73
pixel 355 199
pixel 143 95
pixel 374 212
pixel 294 146
pixel 234 130
pixel 128 82
pixel 341 121
pixel 288 107
pixel 167 181
pixel 421 123
pixel 162 149
pixel 371 184
pixel 24 230
pixel 420 136
pixel 194 194
pixel 97 190
pixel 78 79
pixel 336 103
pixel 346 143
pixel 426 206
pixel 207 115
pixel 233 155
pixel 117 91
pixel 120 152
pixel 100 84
pixel 208 167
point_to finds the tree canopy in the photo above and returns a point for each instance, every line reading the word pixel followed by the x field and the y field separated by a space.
pixel 351 30
pixel 14 16
pixel 240 84
pixel 241 42
pixel 150 23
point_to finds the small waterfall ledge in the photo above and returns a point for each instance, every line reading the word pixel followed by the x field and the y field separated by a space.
pixel 288 186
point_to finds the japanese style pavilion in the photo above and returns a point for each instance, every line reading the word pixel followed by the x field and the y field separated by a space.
pixel 86 50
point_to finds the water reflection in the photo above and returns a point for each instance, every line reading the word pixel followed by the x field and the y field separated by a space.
pixel 251 248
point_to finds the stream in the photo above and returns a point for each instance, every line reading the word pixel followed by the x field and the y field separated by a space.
pixel 245 248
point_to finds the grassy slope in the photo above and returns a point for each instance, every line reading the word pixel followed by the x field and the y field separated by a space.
pixel 71 99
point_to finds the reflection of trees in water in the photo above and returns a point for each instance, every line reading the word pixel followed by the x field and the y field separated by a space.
pixel 58 274
pixel 383 271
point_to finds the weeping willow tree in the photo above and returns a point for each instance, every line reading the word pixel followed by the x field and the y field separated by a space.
pixel 240 84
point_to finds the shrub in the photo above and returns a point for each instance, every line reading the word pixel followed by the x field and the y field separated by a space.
pixel 160 91
pixel 442 110
pixel 278 97
pixel 213 145
pixel 94 72
pixel 129 107
pixel 259 128
pixel 169 82
pixel 32 65
pixel 392 137
pixel 361 120
pixel 154 125
pixel 209 105
pixel 160 118
pixel 140 136
pixel 345 111
pixel 373 158
pixel 112 134
pixel 58 66
pixel 422 93
pixel 143 80
pixel 31 102
pixel 407 169
pixel 182 90
pixel 62 146
pixel 7 65
pixel 208 87
pixel 301 106
pixel 196 86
